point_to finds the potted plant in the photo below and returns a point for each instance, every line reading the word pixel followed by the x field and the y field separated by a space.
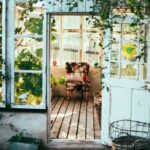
pixel 55 82
pixel 20 142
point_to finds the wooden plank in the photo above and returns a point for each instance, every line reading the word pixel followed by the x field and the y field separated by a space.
pixel 82 121
pixel 74 121
pixel 96 125
pixel 58 122
pixel 54 102
pixel 55 111
pixel 90 124
pixel 67 120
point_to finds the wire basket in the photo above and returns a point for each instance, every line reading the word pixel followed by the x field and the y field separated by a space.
pixel 130 135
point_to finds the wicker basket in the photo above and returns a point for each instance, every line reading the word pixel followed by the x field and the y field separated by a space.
pixel 130 135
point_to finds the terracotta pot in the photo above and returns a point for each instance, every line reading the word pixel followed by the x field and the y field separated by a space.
pixel 54 63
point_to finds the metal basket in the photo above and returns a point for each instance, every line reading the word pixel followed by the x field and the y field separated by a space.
pixel 130 135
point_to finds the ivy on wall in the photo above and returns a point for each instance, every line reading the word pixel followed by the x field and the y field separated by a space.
pixel 102 8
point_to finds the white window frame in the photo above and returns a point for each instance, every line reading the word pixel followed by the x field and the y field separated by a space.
pixel 3 36
pixel 81 31
pixel 128 20
pixel 42 106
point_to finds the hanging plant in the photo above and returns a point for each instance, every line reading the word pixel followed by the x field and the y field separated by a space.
pixel 129 51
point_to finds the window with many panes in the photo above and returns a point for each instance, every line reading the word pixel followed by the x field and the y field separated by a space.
pixel 28 64
pixel 73 38
pixel 128 55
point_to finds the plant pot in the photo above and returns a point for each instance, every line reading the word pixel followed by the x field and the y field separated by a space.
pixel 54 63
pixel 25 143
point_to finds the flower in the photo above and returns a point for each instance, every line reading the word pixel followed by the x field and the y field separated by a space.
pixel 129 51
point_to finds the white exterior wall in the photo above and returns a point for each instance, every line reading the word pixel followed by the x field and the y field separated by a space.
pixel 54 6
pixel 31 124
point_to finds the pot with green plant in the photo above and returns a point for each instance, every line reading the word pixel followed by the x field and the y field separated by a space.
pixel 21 142
pixel 54 82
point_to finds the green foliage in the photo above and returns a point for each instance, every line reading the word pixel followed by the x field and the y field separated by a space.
pixel 54 82
pixel 27 60
pixel 102 8
pixel 31 83
pixel 102 16
pixel 34 25
pixel 62 80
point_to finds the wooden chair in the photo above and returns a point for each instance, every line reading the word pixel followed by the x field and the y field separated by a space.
pixel 77 78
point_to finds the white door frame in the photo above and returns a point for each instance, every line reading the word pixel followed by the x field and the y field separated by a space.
pixel 47 46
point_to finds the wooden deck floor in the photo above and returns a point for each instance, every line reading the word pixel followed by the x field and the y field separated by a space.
pixel 74 119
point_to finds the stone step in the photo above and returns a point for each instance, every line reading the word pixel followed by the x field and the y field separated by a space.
pixel 75 145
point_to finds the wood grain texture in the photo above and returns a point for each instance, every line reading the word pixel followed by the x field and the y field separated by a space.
pixel 74 119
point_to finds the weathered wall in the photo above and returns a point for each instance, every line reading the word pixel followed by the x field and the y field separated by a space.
pixel 33 124
pixel 94 77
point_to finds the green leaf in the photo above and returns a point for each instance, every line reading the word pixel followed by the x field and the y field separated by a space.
pixel 102 76
pixel 17 30
pixel 107 88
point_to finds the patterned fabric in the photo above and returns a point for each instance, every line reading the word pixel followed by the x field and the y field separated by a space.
pixel 82 67
pixel 77 77
pixel 77 71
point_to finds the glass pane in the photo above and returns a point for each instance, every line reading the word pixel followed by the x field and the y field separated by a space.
pixel 28 54
pixel 28 89
pixel 0 17
pixel 114 69
pixel 71 47
pixel 88 23
pixel 55 40
pixel 115 51
pixel 115 41
pixel 91 42
pixel 128 70
pixel 143 71
pixel 129 42
pixel 55 22
pixel 91 48
pixel 71 41
pixel 117 28
pixel 70 22
pixel 29 18
pixel 1 99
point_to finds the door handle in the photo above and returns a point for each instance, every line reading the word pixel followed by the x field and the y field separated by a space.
pixel 147 85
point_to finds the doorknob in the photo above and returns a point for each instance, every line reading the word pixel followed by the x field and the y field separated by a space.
pixel 147 85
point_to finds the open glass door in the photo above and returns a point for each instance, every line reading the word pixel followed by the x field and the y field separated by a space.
pixel 28 62
pixel 127 75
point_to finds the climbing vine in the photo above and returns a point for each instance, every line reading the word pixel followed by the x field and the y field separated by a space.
pixel 102 14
